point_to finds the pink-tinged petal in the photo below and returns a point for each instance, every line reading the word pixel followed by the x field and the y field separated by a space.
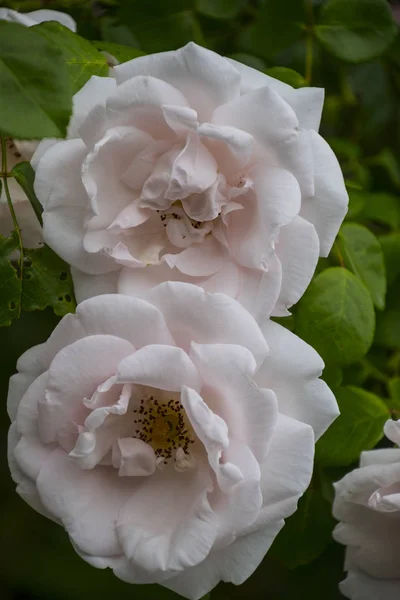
pixel 137 282
pixel 87 502
pixel 107 315
pixel 138 102
pixel 171 531
pixel 144 163
pixel 306 102
pixel 259 289
pixel 93 95
pixel 74 374
pixel 41 150
pixel 143 246
pixel 99 240
pixel 45 14
pixel 205 78
pixel 382 456
pixel 250 412
pixel 300 393
pixel 212 431
pixel 194 315
pixel 154 191
pixel 102 170
pixel 392 431
pixel 19 383
pixel 327 208
pixel 27 414
pixel 26 487
pixel 206 206
pixel 130 216
pixel 297 249
pixel 359 586
pixel 163 367
pixel 180 118
pixel 234 564
pixel 194 170
pixel 133 457
pixel 86 286
pixel 224 281
pixel 233 147
pixel 199 260
pixel 65 205
pixel 31 453
pixel 274 203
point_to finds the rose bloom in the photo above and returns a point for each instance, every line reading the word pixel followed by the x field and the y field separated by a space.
pixel 31 231
pixel 37 16
pixel 193 167
pixel 368 505
pixel 170 436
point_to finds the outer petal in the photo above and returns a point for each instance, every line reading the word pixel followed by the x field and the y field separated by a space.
pixel 74 375
pixel 300 393
pixel 359 586
pixel 107 314
pixel 194 315
pixel 39 16
pixel 168 531
pixel 93 94
pixel 86 286
pixel 327 208
pixel 259 290
pixel 87 502
pixel 205 78
pixel 306 102
pixel 250 412
pixel 18 385
pixel 298 251
pixel 65 205
pixel 162 367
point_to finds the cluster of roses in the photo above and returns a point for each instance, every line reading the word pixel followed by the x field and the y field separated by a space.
pixel 169 425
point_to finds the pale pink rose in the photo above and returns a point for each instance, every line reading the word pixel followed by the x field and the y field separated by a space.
pixel 165 435
pixel 190 166
pixel 367 503
pixel 31 231
pixel 37 16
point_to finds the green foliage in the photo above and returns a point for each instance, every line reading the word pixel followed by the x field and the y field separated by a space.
pixel 36 98
pixel 25 176
pixel 307 532
pixel 336 316
pixel 278 25
pixel 10 284
pixel 356 30
pixel 121 53
pixel 220 9
pixel 288 76
pixel 80 56
pixel 363 255
pixel 359 427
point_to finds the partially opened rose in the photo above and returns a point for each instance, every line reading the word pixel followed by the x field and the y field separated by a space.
pixel 170 436
pixel 367 503
pixel 190 166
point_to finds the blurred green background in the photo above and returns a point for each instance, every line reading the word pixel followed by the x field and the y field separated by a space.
pixel 352 49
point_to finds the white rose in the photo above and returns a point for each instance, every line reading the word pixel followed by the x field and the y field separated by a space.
pixel 165 435
pixel 192 167
pixel 37 16
pixel 367 503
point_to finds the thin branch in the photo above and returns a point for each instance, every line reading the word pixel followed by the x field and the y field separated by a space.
pixel 5 175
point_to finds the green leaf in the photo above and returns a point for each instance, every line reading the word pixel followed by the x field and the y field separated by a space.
pixel 356 30
pixel 356 204
pixel 336 316
pixel 363 255
pixel 121 53
pixel 288 76
pixel 306 533
pixel 388 161
pixel 383 208
pixel 332 375
pixel 47 282
pixel 10 284
pixel 25 176
pixel 160 25
pixel 359 427
pixel 390 245
pixel 249 60
pixel 82 59
pixel 394 392
pixel 279 24
pixel 36 97
pixel 220 9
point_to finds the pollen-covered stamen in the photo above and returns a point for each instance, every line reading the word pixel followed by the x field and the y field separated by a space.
pixel 163 425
